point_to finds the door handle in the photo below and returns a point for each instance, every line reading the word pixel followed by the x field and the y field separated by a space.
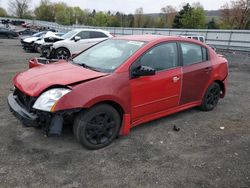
pixel 207 69
pixel 176 79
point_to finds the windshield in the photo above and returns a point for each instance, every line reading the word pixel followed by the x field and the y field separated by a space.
pixel 69 34
pixel 39 34
pixel 108 55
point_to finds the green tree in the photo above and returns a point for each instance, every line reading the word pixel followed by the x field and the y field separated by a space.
pixel 212 24
pixel 190 17
pixel 186 10
pixel 79 15
pixel 63 14
pixel 114 21
pixel 3 12
pixel 101 19
pixel 195 19
pixel 45 11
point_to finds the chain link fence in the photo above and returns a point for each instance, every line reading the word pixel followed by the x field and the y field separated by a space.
pixel 221 39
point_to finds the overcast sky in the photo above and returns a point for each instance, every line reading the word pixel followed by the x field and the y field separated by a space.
pixel 129 6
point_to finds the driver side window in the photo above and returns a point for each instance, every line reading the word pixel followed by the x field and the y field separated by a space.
pixel 161 57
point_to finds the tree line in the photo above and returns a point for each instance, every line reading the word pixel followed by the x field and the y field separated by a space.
pixel 233 15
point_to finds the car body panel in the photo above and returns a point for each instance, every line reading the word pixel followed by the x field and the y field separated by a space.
pixel 168 97
pixel 195 79
pixel 38 79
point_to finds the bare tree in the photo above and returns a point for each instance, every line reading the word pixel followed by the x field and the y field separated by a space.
pixel 19 7
pixel 139 18
pixel 170 12
pixel 236 14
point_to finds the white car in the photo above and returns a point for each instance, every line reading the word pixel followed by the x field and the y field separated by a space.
pixel 28 42
pixel 41 40
pixel 79 40
pixel 195 37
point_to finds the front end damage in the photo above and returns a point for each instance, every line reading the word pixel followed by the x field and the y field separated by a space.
pixel 21 104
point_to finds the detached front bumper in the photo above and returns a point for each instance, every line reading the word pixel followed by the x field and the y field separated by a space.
pixel 28 46
pixel 28 119
pixel 51 123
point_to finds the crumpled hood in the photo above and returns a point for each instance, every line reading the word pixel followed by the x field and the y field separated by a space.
pixel 35 80
pixel 30 39
pixel 41 41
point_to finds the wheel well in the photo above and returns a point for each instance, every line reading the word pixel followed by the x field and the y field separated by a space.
pixel 221 84
pixel 114 105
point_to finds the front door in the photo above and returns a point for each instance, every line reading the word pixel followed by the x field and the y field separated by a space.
pixel 152 94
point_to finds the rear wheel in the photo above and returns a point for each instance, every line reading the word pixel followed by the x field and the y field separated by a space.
pixel 211 97
pixel 97 127
pixel 62 53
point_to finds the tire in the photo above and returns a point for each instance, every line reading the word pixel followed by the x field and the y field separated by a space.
pixel 97 127
pixel 36 48
pixel 62 53
pixel 211 97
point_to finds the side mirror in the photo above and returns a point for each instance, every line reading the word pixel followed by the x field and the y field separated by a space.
pixel 77 38
pixel 143 71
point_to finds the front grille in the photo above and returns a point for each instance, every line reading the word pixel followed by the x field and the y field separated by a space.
pixel 24 100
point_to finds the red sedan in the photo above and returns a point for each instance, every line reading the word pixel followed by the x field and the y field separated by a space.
pixel 118 84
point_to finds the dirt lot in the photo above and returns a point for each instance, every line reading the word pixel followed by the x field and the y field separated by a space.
pixel 153 155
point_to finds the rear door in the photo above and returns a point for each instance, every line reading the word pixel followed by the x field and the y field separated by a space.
pixel 159 92
pixel 196 71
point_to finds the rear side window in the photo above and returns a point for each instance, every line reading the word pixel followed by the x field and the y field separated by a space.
pixel 201 39
pixel 84 35
pixel 192 53
pixel 161 57
pixel 95 34
pixel 204 54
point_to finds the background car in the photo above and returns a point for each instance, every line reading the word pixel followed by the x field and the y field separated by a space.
pixel 76 41
pixel 49 37
pixel 28 42
pixel 196 37
pixel 26 32
pixel 118 84
pixel 7 33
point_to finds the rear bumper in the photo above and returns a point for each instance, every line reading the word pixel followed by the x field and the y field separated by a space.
pixel 28 119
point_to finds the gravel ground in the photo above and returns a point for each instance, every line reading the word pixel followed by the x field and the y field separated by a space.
pixel 153 155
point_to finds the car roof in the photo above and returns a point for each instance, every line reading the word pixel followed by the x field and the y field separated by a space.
pixel 100 30
pixel 148 38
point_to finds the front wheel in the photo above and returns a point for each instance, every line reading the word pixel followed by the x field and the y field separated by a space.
pixel 211 97
pixel 97 127
pixel 62 53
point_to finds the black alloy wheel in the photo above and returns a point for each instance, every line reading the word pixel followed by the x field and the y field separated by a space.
pixel 211 97
pixel 100 128
pixel 97 127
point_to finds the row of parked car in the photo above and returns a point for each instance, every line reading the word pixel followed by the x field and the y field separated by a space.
pixel 54 45
pixel 16 28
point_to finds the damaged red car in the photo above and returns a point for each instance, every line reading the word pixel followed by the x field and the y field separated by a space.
pixel 118 84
